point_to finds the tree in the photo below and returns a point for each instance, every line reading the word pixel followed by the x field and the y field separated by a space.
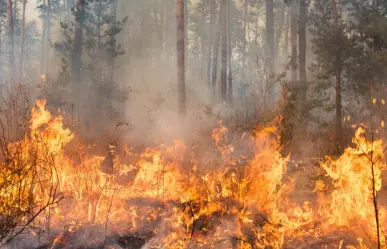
pixel 244 39
pixel 10 38
pixel 229 50
pixel 89 46
pixel 112 42
pixel 49 10
pixel 22 38
pixel 45 8
pixel 223 73
pixel 76 55
pixel 335 19
pixel 270 37
pixel 180 56
pixel 302 56
pixel 212 6
pixel 215 53
pixel 293 42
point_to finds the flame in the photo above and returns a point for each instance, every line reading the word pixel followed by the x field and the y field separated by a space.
pixel 243 203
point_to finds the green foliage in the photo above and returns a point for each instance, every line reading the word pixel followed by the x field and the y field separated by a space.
pixel 100 30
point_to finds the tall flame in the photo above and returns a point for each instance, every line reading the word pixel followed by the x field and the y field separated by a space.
pixel 184 204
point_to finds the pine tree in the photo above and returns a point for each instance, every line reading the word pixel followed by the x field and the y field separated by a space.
pixel 10 39
pixel 180 56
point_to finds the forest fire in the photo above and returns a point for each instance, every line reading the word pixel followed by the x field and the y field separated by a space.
pixel 166 199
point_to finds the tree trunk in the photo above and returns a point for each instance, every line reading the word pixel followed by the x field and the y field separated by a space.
pixel 185 5
pixel 286 46
pixel 22 34
pixel 180 56
pixel 1 54
pixel 293 41
pixel 223 72
pixel 215 55
pixel 210 41
pixel 302 49
pixel 244 45
pixel 280 24
pixel 229 49
pixel 269 37
pixel 111 58
pixel 15 8
pixel 10 39
pixel 47 36
pixel 203 52
pixel 77 44
pixel 43 45
pixel 338 130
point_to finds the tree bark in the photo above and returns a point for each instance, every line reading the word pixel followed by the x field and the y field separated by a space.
pixel 10 39
pixel 338 72
pixel 229 49
pixel 223 73
pixel 280 25
pixel 288 21
pixel 180 56
pixel 269 37
pixel 15 9
pixel 185 5
pixel 22 34
pixel 245 23
pixel 1 53
pixel 210 41
pixel 293 41
pixel 216 54
pixel 43 44
pixel 77 43
pixel 48 36
pixel 302 49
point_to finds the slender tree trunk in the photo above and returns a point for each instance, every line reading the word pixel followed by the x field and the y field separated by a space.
pixel 162 24
pixel 279 33
pixel 286 46
pixel 43 45
pixel 180 56
pixel 111 59
pixel 10 39
pixel 47 36
pixel 229 49
pixel 185 5
pixel 22 34
pixel 15 9
pixel 245 23
pixel 270 37
pixel 210 41
pixel 1 55
pixel 223 72
pixel 15 6
pixel 302 48
pixel 165 30
pixel 293 41
pixel 216 54
pixel 338 126
pixel 212 7
pixel 77 43
pixel 203 53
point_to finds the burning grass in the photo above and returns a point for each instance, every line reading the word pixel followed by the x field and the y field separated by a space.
pixel 171 197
